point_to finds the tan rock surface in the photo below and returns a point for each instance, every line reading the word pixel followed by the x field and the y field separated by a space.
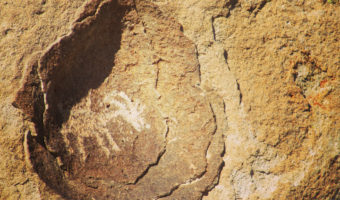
pixel 169 99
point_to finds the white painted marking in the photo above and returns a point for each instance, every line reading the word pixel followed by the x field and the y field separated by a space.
pixel 130 111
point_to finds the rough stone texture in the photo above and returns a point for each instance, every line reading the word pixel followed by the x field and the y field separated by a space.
pixel 169 99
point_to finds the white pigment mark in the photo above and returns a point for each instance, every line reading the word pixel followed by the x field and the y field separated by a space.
pixel 130 111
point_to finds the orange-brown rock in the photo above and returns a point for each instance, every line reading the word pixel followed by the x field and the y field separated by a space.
pixel 123 99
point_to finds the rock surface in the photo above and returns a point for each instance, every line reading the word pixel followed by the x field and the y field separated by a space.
pixel 159 99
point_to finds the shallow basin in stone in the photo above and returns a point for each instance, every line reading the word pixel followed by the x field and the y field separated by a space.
pixel 108 104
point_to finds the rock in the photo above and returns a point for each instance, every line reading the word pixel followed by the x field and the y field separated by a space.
pixel 169 100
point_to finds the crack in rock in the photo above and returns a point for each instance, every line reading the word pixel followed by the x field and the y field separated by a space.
pixel 158 158
pixel 225 55
pixel 213 28
pixel 211 174
pixel 199 65
pixel 239 89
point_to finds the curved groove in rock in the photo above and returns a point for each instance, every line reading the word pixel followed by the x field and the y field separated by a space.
pixel 157 161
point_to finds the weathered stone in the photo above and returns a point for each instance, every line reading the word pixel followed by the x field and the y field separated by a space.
pixel 169 100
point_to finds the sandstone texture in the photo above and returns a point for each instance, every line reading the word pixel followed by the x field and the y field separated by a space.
pixel 160 99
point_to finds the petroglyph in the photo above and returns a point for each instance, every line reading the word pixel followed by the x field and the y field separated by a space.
pixel 117 108
pixel 130 110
